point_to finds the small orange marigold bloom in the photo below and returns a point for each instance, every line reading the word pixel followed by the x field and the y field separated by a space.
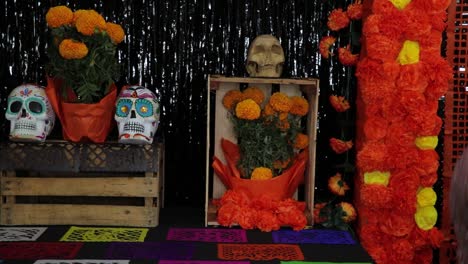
pixel 337 185
pixel 317 210
pixel 77 14
pixel 268 110
pixel 58 16
pixel 281 164
pixel 89 21
pixel 354 11
pixel 261 173
pixel 284 125
pixel 299 106
pixel 339 146
pixel 255 94
pixel 337 20
pixel 116 32
pixel 325 45
pixel 283 116
pixel 346 57
pixel 70 49
pixel 339 103
pixel 248 109
pixel 349 210
pixel 280 102
pixel 301 141
pixel 231 98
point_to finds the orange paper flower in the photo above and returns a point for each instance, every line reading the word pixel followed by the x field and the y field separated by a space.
pixel 325 46
pixel 337 20
pixel 339 146
pixel 354 11
pixel 350 212
pixel 337 185
pixel 346 57
pixel 339 103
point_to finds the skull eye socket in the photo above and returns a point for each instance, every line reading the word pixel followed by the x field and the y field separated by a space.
pixel 35 107
pixel 15 106
pixel 144 107
pixel 258 49
pixel 123 107
pixel 277 49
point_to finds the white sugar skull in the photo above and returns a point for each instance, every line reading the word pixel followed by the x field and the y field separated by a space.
pixel 265 57
pixel 137 115
pixel 30 113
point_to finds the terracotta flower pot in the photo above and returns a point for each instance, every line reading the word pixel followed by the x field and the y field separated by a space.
pixel 83 122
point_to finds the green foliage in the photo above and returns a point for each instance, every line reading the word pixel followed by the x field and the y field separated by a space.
pixel 261 142
pixel 91 76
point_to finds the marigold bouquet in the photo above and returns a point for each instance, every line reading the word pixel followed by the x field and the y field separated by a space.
pixel 268 132
pixel 82 52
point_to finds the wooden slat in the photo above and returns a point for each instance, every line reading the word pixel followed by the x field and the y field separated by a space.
pixel 218 78
pixel 126 187
pixel 51 214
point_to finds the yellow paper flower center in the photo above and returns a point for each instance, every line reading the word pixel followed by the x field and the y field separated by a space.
pixel 425 143
pixel 426 217
pixel 409 53
pixel 400 4
pixel 377 177
pixel 426 197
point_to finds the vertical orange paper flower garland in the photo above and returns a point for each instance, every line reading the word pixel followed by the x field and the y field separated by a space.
pixel 400 79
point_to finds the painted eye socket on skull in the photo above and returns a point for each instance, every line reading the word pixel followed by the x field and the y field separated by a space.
pixel 15 106
pixel 123 107
pixel 34 105
pixel 144 107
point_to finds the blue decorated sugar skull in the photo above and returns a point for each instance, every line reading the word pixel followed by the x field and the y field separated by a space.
pixel 30 113
pixel 137 115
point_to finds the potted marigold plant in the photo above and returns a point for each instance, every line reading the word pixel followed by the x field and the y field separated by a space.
pixel 82 70
pixel 268 162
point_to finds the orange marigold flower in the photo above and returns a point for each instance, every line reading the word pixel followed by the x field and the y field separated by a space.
pixel 284 125
pixel 280 102
pixel 346 57
pixel 77 14
pixel 268 110
pixel 354 11
pixel 325 46
pixel 301 141
pixel 58 16
pixel 116 32
pixel 248 109
pixel 337 20
pixel 299 106
pixel 89 21
pixel 339 103
pixel 281 164
pixel 231 98
pixel 350 212
pixel 283 116
pixel 261 173
pixel 255 94
pixel 70 49
pixel 337 185
pixel 339 146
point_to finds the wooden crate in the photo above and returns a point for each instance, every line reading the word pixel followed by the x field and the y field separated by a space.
pixel 220 126
pixel 88 190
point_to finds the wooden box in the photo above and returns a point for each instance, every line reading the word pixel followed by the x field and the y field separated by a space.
pixel 219 126
pixel 85 187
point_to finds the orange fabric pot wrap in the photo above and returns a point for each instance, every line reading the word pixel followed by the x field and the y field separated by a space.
pixel 83 122
pixel 280 187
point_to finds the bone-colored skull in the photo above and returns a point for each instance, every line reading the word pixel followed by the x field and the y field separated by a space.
pixel 265 57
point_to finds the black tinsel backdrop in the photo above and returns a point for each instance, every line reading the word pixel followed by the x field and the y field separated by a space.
pixel 171 46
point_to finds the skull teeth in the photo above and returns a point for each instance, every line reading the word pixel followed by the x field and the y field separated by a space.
pixel 134 128
pixel 25 126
